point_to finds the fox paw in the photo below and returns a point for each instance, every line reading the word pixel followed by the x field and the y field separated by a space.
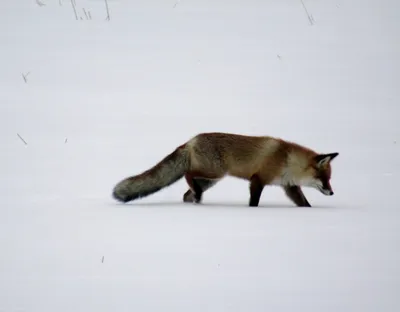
pixel 188 197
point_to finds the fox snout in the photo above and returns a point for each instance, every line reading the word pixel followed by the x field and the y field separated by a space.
pixel 326 188
pixel 327 192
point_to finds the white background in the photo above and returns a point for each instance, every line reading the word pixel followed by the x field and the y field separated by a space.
pixel 107 99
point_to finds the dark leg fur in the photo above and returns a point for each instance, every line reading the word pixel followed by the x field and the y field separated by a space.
pixel 256 188
pixel 198 187
pixel 296 195
pixel 197 190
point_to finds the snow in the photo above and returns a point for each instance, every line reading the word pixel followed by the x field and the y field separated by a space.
pixel 107 99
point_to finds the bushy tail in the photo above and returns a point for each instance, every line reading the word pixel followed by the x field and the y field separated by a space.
pixel 163 174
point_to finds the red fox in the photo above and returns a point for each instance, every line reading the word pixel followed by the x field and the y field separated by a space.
pixel 208 157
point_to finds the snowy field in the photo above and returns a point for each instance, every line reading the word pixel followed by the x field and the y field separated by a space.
pixel 96 100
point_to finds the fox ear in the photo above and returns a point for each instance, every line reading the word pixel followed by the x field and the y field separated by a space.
pixel 323 159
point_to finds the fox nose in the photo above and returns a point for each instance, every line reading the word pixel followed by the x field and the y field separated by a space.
pixel 330 193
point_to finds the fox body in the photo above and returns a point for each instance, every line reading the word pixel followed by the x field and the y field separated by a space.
pixel 208 157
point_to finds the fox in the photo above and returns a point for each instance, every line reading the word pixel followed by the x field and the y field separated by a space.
pixel 208 157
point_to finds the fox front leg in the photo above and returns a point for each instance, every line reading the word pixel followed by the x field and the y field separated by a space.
pixel 295 193
pixel 256 188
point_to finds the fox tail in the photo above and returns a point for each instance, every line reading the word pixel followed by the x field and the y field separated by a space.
pixel 166 172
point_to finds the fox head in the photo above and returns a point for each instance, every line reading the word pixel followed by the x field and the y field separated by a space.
pixel 321 173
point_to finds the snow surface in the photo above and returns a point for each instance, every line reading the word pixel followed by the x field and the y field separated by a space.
pixel 107 99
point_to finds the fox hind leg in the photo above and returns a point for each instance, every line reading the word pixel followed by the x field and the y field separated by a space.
pixel 196 191
pixel 295 193
pixel 198 186
pixel 188 197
